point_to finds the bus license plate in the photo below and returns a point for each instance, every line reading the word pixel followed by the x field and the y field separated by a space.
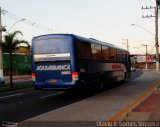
pixel 53 80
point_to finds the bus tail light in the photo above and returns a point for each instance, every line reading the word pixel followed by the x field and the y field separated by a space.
pixel 33 77
pixel 75 76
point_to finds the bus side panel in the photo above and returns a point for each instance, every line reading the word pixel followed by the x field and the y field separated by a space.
pixel 95 72
pixel 90 73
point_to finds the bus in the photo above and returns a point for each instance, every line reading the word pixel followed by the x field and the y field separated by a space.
pixel 64 61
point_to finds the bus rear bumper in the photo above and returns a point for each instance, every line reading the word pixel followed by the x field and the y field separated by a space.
pixel 56 86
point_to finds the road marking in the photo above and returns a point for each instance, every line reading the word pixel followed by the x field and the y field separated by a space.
pixel 50 95
pixel 133 104
pixel 13 95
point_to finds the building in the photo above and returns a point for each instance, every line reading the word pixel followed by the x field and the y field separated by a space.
pixel 139 61
pixel 23 49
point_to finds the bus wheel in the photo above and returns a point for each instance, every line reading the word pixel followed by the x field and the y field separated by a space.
pixel 125 78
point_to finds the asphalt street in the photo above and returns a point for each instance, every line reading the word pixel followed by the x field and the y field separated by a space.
pixel 20 105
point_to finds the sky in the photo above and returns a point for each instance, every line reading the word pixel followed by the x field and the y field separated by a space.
pixel 106 20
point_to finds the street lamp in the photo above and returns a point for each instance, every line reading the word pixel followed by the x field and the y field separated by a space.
pixel 2 29
pixel 14 25
pixel 155 35
pixel 143 29
pixel 138 49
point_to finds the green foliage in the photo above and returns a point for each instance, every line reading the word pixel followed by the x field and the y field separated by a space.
pixel 9 45
pixel 11 42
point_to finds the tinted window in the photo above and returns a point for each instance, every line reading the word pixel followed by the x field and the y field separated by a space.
pixel 51 44
pixel 124 56
pixel 119 55
pixel 112 54
pixel 84 50
pixel 96 51
pixel 105 52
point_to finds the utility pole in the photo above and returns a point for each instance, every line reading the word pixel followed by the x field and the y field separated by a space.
pixel 156 30
pixel 156 37
pixel 1 55
pixel 146 56
pixel 127 43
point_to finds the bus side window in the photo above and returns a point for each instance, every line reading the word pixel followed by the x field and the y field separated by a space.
pixel 124 56
pixel 119 55
pixel 96 51
pixel 84 50
pixel 105 52
pixel 112 54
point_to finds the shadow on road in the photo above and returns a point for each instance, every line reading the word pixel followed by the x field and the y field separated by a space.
pixel 34 103
pixel 136 74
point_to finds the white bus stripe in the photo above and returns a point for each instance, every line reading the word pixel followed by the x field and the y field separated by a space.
pixel 52 55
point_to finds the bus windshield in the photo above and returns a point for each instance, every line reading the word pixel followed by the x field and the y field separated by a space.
pixel 51 44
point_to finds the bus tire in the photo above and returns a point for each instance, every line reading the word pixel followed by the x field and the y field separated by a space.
pixel 125 78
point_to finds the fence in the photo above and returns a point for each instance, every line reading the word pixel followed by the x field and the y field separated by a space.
pixel 21 64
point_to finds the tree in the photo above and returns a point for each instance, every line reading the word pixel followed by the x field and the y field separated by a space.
pixel 9 46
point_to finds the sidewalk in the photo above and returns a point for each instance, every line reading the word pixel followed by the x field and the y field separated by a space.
pixel 111 105
pixel 17 78
pixel 148 110
pixel 19 82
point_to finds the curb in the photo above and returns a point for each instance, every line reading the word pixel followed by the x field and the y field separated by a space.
pixel 125 112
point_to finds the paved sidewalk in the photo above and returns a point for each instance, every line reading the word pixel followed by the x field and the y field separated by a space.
pixel 148 110
pixel 17 78
pixel 110 105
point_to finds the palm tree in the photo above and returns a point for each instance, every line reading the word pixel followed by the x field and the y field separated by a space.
pixel 9 45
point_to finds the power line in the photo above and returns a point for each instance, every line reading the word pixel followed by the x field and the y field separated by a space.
pixel 34 24
pixel 139 49
pixel 151 50
pixel 150 3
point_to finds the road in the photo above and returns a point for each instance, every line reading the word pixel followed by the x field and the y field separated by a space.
pixel 20 105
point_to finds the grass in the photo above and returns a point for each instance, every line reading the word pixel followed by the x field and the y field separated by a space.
pixel 16 87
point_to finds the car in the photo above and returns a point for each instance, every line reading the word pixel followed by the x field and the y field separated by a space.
pixel 133 69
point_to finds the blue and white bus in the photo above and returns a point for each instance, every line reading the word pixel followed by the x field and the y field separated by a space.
pixel 63 61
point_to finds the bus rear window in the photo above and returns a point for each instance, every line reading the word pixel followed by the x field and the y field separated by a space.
pixel 51 44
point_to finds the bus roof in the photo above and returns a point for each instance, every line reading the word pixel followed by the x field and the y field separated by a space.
pixel 90 40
